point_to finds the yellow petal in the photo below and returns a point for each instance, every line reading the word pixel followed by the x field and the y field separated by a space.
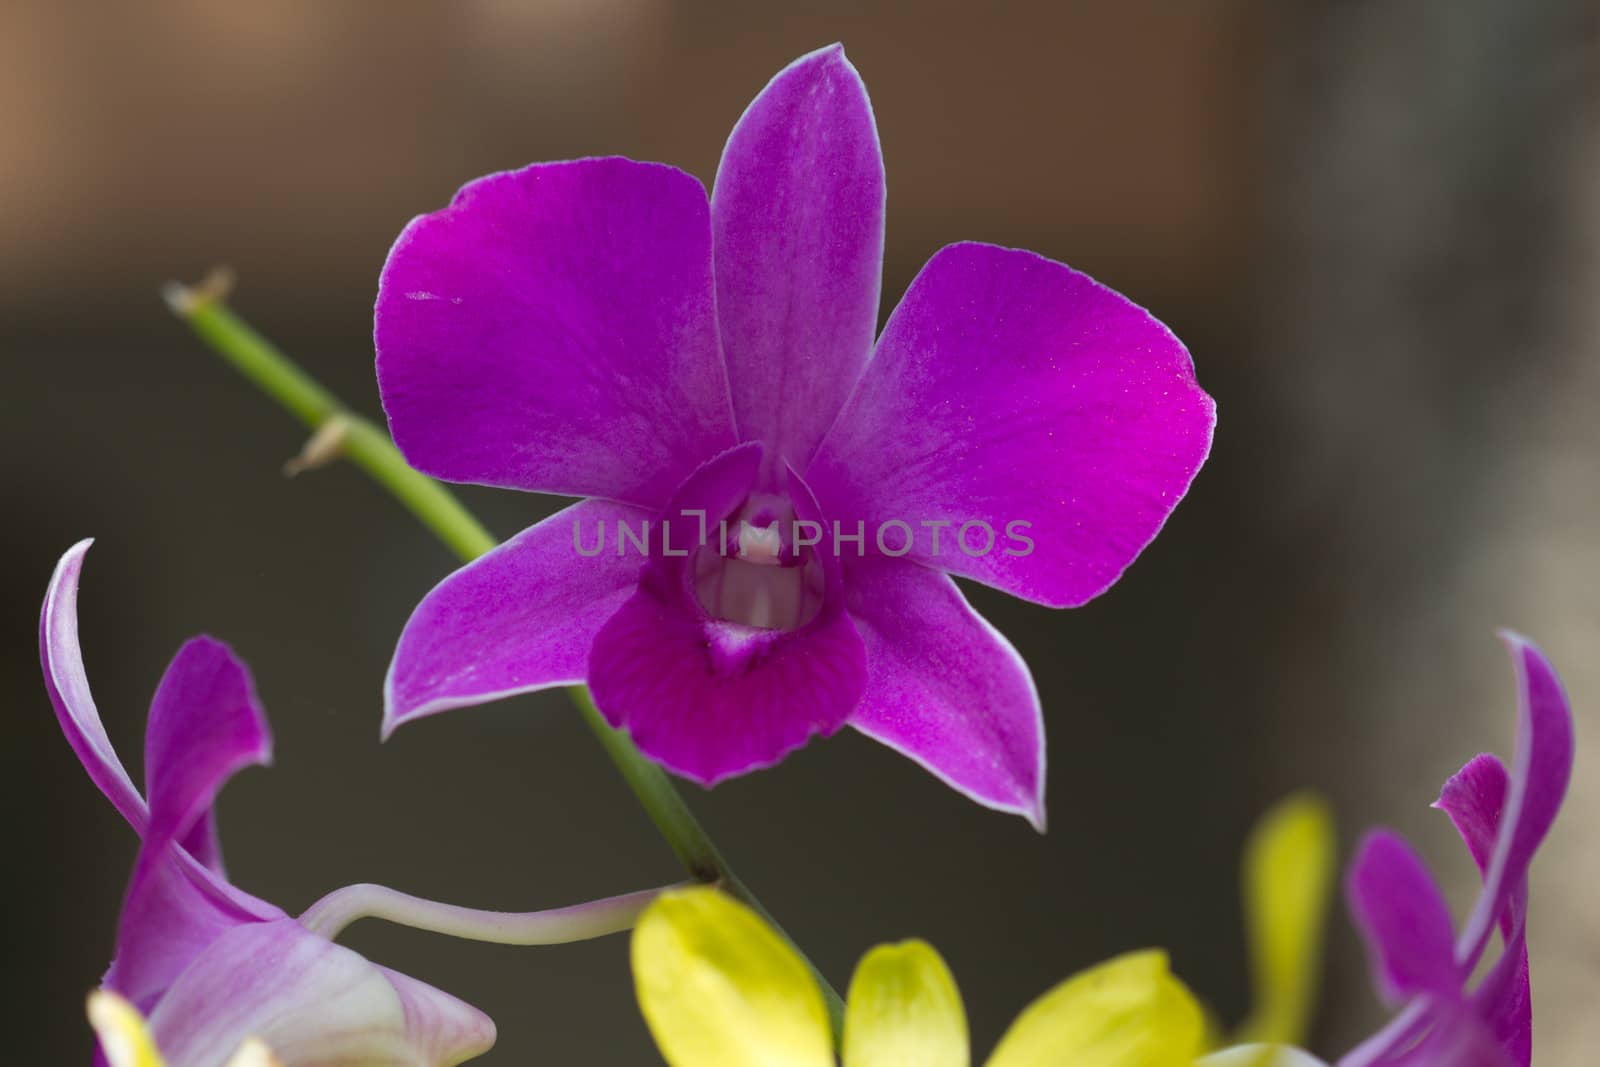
pixel 720 988
pixel 1288 872
pixel 254 1053
pixel 1260 1056
pixel 904 1011
pixel 1128 1012
pixel 123 1036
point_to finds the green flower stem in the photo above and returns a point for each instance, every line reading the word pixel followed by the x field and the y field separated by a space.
pixel 356 438
pixel 694 847
pixel 337 431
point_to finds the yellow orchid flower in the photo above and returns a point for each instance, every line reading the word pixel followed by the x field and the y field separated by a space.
pixel 720 988
pixel 125 1038
pixel 1288 877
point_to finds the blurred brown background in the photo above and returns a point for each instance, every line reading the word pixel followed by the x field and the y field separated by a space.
pixel 1377 226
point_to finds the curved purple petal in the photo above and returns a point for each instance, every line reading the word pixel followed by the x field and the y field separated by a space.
pixel 205 725
pixel 1502 818
pixel 1473 799
pixel 64 677
pixel 554 329
pixel 1459 1045
pixel 944 687
pixel 1454 1038
pixel 1403 918
pixel 521 618
pixel 310 1001
pixel 710 699
pixel 1540 771
pixel 68 686
pixel 797 212
pixel 204 843
pixel 1055 420
pixel 1504 999
pixel 174 910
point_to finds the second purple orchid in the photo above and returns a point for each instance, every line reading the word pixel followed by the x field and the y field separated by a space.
pixel 215 968
pixel 210 964
pixel 797 496
pixel 1418 960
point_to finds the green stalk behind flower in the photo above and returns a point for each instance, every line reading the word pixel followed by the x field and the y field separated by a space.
pixel 339 432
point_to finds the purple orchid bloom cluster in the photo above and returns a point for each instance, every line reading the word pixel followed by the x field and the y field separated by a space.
pixel 1417 958
pixel 800 492
pixel 206 962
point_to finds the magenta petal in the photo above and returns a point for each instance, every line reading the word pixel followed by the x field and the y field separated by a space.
pixel 1456 1039
pixel 1474 799
pixel 1502 817
pixel 710 699
pixel 1540 771
pixel 310 1001
pixel 553 329
pixel 944 687
pixel 518 619
pixel 205 725
pixel 177 902
pixel 205 844
pixel 797 212
pixel 1403 918
pixel 1504 999
pixel 1011 391
pixel 68 685
pixel 175 909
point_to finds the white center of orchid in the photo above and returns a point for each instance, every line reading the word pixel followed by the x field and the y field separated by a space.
pixel 763 577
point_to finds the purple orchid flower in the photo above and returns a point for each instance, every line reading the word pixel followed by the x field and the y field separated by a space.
pixel 206 962
pixel 706 371
pixel 1417 958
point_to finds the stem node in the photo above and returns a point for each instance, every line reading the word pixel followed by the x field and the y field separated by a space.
pixel 214 288
pixel 321 448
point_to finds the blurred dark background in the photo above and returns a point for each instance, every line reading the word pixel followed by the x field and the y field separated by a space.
pixel 1376 225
